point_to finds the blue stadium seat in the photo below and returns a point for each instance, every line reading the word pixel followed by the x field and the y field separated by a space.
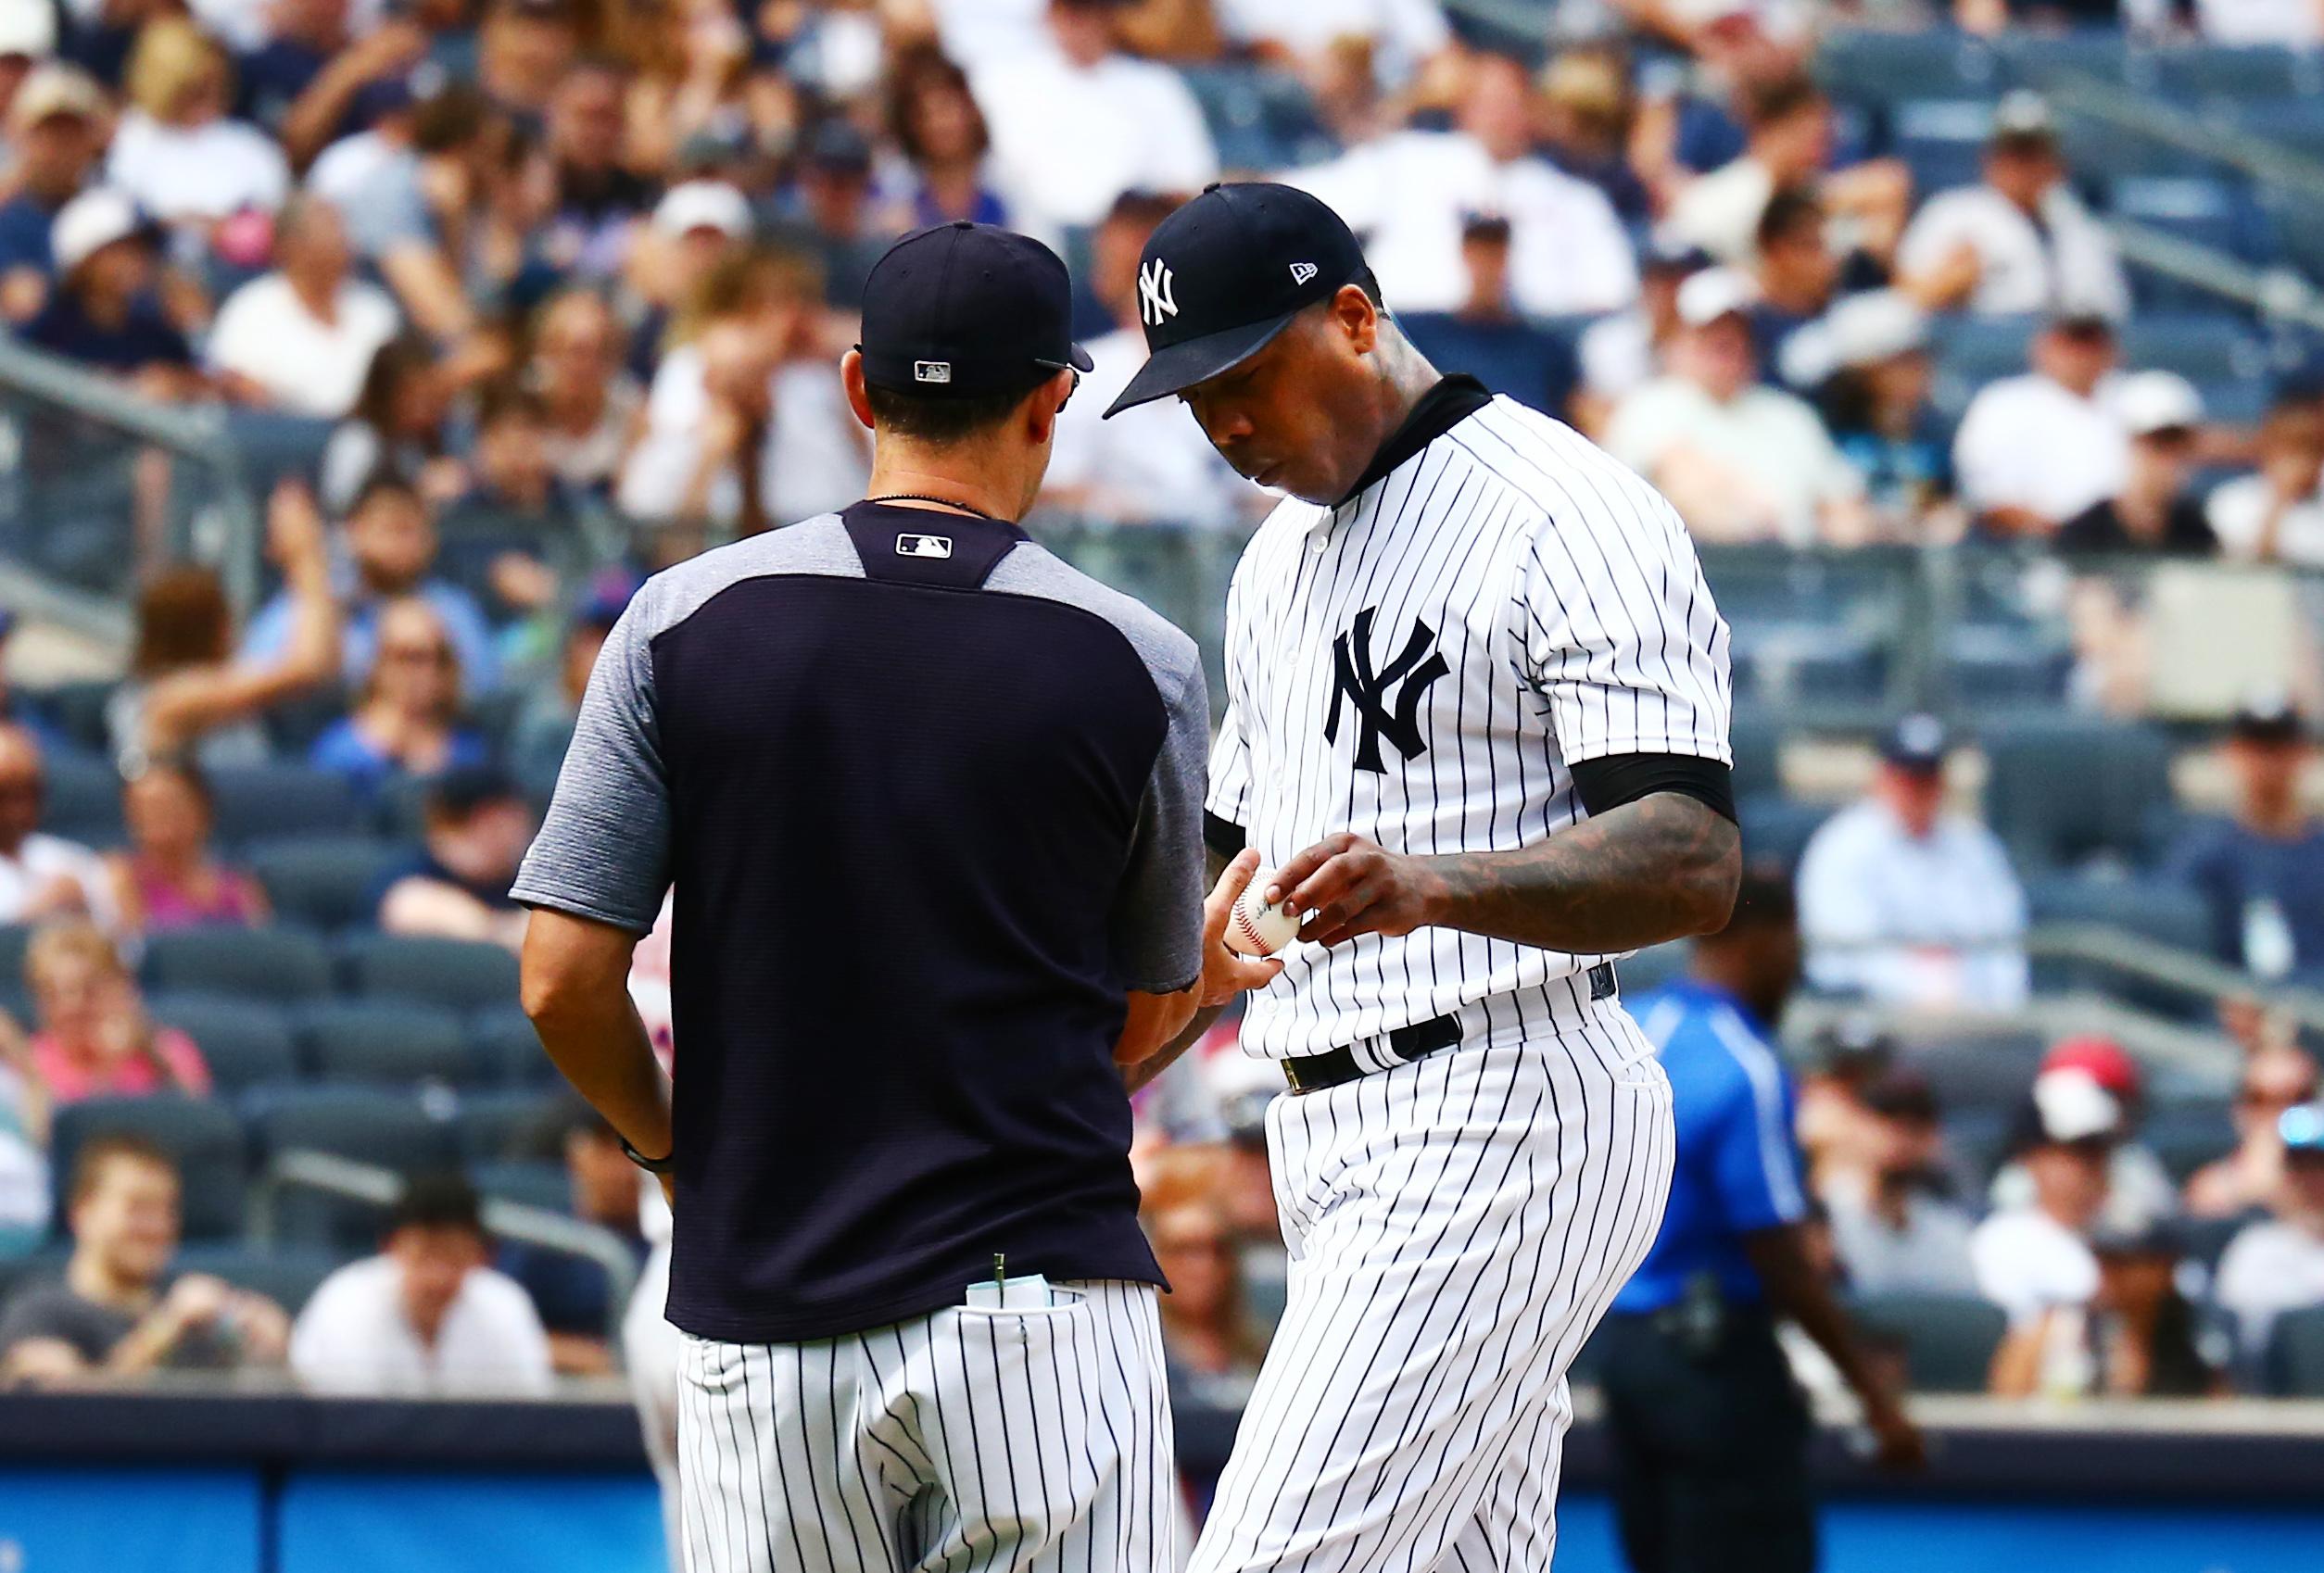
pixel 2170 915
pixel 386 1043
pixel 285 1274
pixel 1998 663
pixel 2295 1353
pixel 1971 1068
pixel 201 1133
pixel 2040 59
pixel 2201 347
pixel 1775 828
pixel 511 1124
pixel 1978 1140
pixel 283 964
pixel 1941 140
pixel 2188 1134
pixel 531 1181
pixel 15 939
pixel 78 710
pixel 1879 67
pixel 1972 351
pixel 82 799
pixel 504 1050
pixel 1949 1340
pixel 262 800
pixel 2231 72
pixel 394 1130
pixel 2120 770
pixel 328 882
pixel 245 1041
pixel 456 973
pixel 1261 120
pixel 2294 124
pixel 1755 733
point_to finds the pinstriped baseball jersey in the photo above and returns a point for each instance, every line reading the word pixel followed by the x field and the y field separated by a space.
pixel 1421 664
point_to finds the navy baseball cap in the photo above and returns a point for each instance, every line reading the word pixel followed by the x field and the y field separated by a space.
pixel 962 310
pixel 1224 274
pixel 1918 743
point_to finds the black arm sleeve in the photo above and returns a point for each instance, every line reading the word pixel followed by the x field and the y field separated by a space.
pixel 1222 836
pixel 1604 784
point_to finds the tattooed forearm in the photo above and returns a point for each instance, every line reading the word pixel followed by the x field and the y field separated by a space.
pixel 1661 868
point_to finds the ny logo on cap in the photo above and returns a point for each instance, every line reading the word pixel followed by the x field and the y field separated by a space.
pixel 931 370
pixel 1301 273
pixel 1156 296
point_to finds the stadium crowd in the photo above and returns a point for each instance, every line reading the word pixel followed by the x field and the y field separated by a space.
pixel 560 285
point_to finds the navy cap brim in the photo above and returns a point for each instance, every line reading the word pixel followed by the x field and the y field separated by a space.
pixel 1185 364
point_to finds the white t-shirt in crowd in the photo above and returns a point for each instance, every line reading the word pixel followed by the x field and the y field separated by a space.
pixel 2238 508
pixel 1928 1256
pixel 203 172
pixel 2029 442
pixel 1406 195
pixel 815 457
pixel 307 366
pixel 341 171
pixel 1066 142
pixel 39 861
pixel 2294 23
pixel 976 32
pixel 2027 1262
pixel 2069 261
pixel 353 1336
pixel 2269 1268
pixel 1150 463
pixel 1771 439
pixel 1936 922
pixel 1402 33
pixel 1617 353
pixel 1720 212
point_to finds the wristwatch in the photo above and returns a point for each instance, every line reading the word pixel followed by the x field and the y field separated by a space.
pixel 651 1165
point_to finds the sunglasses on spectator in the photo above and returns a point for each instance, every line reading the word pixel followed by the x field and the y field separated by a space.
pixel 434 654
pixel 2274 1097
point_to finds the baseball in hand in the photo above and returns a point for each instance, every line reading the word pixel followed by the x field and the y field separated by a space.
pixel 1257 927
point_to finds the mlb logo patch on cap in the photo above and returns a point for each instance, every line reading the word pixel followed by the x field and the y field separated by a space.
pixel 931 370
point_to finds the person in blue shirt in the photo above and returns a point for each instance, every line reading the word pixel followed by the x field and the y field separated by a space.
pixel 2260 870
pixel 1709 1432
pixel 1486 337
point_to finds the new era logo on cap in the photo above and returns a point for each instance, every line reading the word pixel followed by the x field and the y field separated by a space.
pixel 1302 272
pixel 931 370
pixel 924 546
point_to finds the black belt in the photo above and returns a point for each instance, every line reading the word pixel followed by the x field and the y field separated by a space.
pixel 1334 1068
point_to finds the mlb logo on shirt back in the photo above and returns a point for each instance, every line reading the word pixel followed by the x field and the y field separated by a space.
pixel 924 546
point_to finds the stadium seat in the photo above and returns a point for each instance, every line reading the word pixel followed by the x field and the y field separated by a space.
pixel 2208 212
pixel 2296 124
pixel 2170 915
pixel 2242 72
pixel 2120 772
pixel 1978 1139
pixel 394 1130
pixel 329 882
pixel 1993 665
pixel 1877 66
pixel 82 799
pixel 510 1124
pixel 504 1050
pixel 1755 733
pixel 261 800
pixel 2199 346
pixel 530 1181
pixel 456 973
pixel 2045 59
pixel 78 710
pixel 1949 1340
pixel 15 939
pixel 244 1041
pixel 2187 1135
pixel 1775 828
pixel 201 1133
pixel 1970 1066
pixel 283 964
pixel 285 1274
pixel 1653 968
pixel 2295 1353
pixel 1942 140
pixel 385 1043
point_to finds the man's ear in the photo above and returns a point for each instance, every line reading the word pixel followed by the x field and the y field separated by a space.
pixel 1043 404
pixel 1358 318
pixel 858 392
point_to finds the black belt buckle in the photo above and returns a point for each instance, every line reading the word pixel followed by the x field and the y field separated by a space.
pixel 1334 1068
pixel 1601 979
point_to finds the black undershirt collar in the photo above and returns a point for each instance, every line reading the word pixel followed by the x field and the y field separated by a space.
pixel 1450 402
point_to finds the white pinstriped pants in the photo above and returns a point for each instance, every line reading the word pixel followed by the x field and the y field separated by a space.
pixel 1457 1226
pixel 965 1439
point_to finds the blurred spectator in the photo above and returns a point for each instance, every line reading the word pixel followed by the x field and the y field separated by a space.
pixel 2260 868
pixel 409 201
pixel 397 426
pixel 41 876
pixel 1585 124
pixel 175 151
pixel 523 49
pixel 186 693
pixel 425 1315
pixel 515 525
pixel 1149 463
pixel 2155 510
pixel 2139 1188
pixel 1740 460
pixel 932 115
pixel 2277 514
pixel 1617 354
pixel 170 878
pixel 332 85
pixel 94 1038
pixel 544 727
pixel 1135 125
pixel 2036 449
pixel 1839 1136
pixel 1400 34
pixel 832 211
pixel 598 201
pixel 478 826
pixel 2034 1261
pixel 27 1207
pixel 28 36
pixel 1906 903
pixel 302 337
pixel 2277 1265
pixel 1410 193
pixel 570 1294
pixel 697 226
pixel 115 1312
pixel 1205 1328
pixel 405 721
pixel 591 402
pixel 391 544
pixel 2153 1341
pixel 104 312
pixel 53 126
pixel 2020 242
pixel 300 40
pixel 1875 401
pixel 1901 1235
pixel 1486 337
pixel 1796 274
pixel 2250 1178
pixel 1788 146
pixel 16 708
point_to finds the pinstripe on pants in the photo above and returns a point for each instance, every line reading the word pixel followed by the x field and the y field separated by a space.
pixel 1457 1226
pixel 960 1441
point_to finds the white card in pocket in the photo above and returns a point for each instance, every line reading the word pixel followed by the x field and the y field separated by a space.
pixel 1028 1293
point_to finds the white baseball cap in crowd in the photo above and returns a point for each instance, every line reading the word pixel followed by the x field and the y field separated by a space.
pixel 28 28
pixel 1715 293
pixel 2157 401
pixel 2074 1108
pixel 2023 116
pixel 1875 326
pixel 54 89
pixel 89 223
pixel 704 205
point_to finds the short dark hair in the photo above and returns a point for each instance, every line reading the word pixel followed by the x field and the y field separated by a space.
pixel 1781 99
pixel 509 399
pixel 386 480
pixel 942 420
pixel 438 1200
pixel 1790 214
pixel 88 1163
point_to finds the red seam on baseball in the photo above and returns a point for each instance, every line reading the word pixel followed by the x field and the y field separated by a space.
pixel 1250 930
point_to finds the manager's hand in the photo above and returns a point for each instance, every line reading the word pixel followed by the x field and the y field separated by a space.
pixel 1344 886
pixel 1226 974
